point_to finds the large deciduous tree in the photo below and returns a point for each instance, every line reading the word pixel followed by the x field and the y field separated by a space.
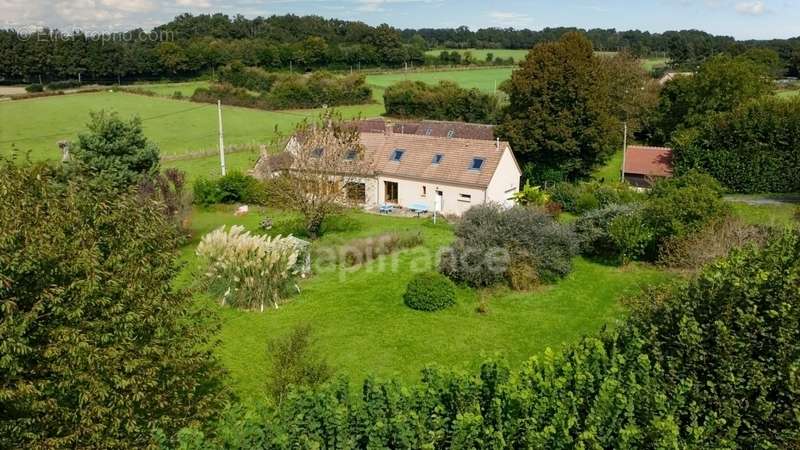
pixel 97 346
pixel 560 115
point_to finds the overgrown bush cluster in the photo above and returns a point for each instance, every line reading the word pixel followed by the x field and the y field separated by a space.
pixel 256 88
pixel 234 187
pixel 713 364
pixel 443 101
pixel 753 149
pixel 493 244
pixel 674 209
pixel 579 198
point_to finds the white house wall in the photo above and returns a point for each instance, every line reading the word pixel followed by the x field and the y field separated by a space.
pixel 505 182
pixel 410 192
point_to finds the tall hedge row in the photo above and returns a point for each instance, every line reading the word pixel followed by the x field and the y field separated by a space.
pixel 443 101
pixel 255 88
pixel 755 148
pixel 712 363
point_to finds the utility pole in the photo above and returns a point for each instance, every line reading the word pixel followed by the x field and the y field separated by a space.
pixel 624 150
pixel 221 142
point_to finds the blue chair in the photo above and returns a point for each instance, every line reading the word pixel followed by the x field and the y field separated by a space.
pixel 386 208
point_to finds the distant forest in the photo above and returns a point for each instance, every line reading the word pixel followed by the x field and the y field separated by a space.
pixel 191 45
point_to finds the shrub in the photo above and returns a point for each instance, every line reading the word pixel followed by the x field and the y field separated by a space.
pixel 676 207
pixel 250 78
pixel 58 85
pixel 587 201
pixel 716 240
pixel 294 364
pixel 565 194
pixel 597 240
pixel 361 251
pixel 247 271
pixel 490 238
pixel 430 292
pixel 531 196
pixel 234 187
pixel 206 192
pixel 631 236
pixel 169 190
pixel 35 87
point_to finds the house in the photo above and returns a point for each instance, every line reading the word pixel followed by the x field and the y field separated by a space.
pixel 449 175
pixel 644 165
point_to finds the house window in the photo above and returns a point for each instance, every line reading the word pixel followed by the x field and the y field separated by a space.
pixel 397 155
pixel 451 133
pixel 356 192
pixel 428 131
pixel 477 164
pixel 350 155
pixel 467 198
pixel 317 152
pixel 437 158
pixel 391 191
pixel 424 190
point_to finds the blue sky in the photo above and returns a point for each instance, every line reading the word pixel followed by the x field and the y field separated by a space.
pixel 743 19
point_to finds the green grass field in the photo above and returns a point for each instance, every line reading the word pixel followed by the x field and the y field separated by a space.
pixel 483 79
pixel 168 89
pixel 480 53
pixel 362 326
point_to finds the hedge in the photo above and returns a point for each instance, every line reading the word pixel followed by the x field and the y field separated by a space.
pixel 753 149
pixel 443 101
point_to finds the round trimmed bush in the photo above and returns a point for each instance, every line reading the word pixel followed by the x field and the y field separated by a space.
pixel 430 292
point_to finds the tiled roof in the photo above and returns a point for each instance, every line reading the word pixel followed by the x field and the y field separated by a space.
pixel 649 161
pixel 417 160
pixel 461 130
pixel 432 128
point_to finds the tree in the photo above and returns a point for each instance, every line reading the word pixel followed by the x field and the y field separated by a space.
pixel 560 114
pixel 294 363
pixel 116 151
pixel 98 347
pixel 720 85
pixel 324 170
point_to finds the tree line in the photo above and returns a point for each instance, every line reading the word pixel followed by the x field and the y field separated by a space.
pixel 193 44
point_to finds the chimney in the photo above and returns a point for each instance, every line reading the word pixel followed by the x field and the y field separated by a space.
pixel 389 128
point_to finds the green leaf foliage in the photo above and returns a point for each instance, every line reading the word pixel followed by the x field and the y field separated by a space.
pixel 753 149
pixel 430 292
pixel 443 101
pixel 116 151
pixel 560 112
pixel 97 348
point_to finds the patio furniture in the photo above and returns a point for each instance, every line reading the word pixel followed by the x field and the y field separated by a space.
pixel 419 208
pixel 386 208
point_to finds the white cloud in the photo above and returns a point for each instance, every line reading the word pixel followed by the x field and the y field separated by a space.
pixel 754 8
pixel 510 19
pixel 194 3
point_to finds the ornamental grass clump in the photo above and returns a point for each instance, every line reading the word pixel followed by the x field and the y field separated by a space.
pixel 247 271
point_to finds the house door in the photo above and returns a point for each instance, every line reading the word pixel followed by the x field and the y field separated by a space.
pixel 390 188
pixel 439 202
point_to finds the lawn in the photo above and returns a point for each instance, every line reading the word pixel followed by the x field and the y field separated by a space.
pixel 168 89
pixel 777 209
pixel 362 326
pixel 611 170
pixel 480 53
pixel 789 94
pixel 483 79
